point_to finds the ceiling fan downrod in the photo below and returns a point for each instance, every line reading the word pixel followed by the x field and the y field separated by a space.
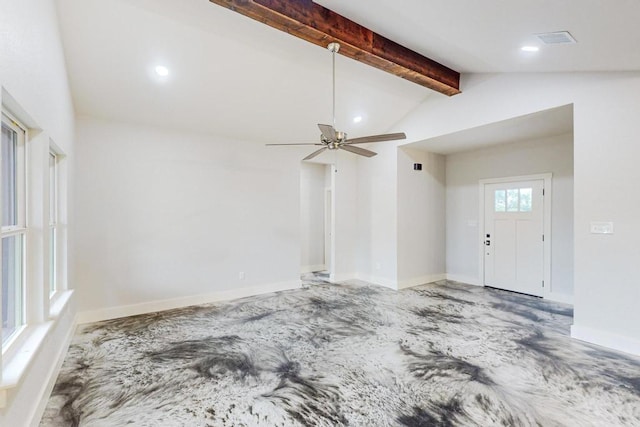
pixel 332 139
pixel 334 48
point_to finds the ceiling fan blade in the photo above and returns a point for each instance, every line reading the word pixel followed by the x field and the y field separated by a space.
pixel 358 150
pixel 300 143
pixel 328 132
pixel 315 153
pixel 377 138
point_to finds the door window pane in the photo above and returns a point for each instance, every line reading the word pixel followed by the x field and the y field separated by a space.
pixel 9 175
pixel 12 285
pixel 526 199
pixel 500 201
pixel 512 200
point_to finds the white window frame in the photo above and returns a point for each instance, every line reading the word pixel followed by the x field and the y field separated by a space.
pixel 20 229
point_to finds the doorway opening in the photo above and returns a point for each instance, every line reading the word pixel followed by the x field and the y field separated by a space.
pixel 317 222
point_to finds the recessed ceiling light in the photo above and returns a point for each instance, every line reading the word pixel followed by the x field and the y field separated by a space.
pixel 357 119
pixel 162 71
pixel 529 48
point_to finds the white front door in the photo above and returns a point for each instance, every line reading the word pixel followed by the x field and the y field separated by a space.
pixel 513 236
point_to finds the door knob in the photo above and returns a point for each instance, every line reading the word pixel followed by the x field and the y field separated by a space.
pixel 487 243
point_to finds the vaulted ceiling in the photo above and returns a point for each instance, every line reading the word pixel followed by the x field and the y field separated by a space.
pixel 233 76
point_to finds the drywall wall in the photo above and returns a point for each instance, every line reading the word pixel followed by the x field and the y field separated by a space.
pixel 377 231
pixel 35 89
pixel 346 214
pixel 606 131
pixel 421 218
pixel 164 215
pixel 312 210
pixel 465 169
pixel 166 218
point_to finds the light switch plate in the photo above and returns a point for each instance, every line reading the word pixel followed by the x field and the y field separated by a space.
pixel 600 227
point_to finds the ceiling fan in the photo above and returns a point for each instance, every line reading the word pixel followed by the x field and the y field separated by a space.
pixel 331 139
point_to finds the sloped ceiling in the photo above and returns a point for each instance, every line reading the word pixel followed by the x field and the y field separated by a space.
pixel 232 76
pixel 229 75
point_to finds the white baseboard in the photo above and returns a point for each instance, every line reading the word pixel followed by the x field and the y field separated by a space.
pixel 469 280
pixel 311 268
pixel 410 283
pixel 557 297
pixel 606 339
pixel 380 281
pixel 168 304
pixel 342 277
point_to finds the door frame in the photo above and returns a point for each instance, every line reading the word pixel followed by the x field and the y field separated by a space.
pixel 328 230
pixel 546 220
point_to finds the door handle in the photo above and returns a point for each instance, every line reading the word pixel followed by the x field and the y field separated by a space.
pixel 487 242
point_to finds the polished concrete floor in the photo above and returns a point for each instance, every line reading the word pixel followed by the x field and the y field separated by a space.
pixel 442 354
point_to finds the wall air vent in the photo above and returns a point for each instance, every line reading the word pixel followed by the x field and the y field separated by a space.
pixel 557 37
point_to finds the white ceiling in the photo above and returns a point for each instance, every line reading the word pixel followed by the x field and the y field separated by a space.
pixel 230 75
pixel 474 36
pixel 547 123
pixel 234 76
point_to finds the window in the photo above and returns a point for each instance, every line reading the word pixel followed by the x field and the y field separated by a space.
pixel 13 233
pixel 53 221
pixel 513 200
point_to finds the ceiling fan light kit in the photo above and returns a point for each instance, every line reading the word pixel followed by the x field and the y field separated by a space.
pixel 332 139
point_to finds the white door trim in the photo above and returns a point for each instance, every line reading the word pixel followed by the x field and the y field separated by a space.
pixel 547 178
pixel 328 227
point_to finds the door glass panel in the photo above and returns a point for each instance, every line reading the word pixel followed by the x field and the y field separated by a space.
pixel 500 201
pixel 512 200
pixel 526 199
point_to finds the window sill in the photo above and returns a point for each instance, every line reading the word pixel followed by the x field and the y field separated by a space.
pixel 58 302
pixel 15 367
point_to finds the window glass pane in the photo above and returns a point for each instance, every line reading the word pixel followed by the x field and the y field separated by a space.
pixel 52 188
pixel 526 199
pixel 500 201
pixel 52 260
pixel 8 178
pixel 512 200
pixel 12 285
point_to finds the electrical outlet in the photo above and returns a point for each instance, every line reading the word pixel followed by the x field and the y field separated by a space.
pixel 601 227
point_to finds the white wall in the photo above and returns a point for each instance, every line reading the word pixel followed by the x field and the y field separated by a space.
pixel 346 215
pixel 421 218
pixel 465 169
pixel 312 200
pixel 166 215
pixel 34 86
pixel 377 237
pixel 606 129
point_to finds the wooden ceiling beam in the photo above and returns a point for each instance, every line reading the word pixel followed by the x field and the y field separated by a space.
pixel 319 25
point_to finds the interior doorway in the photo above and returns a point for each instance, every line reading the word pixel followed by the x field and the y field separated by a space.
pixel 515 233
pixel 316 218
